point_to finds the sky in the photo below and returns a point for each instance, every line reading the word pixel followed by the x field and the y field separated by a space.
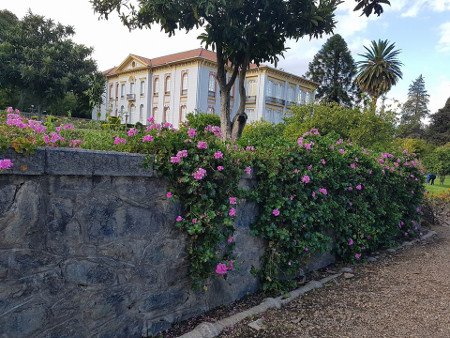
pixel 420 28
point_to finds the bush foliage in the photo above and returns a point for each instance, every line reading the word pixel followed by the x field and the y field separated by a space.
pixel 315 192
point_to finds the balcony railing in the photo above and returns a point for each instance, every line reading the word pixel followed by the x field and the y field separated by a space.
pixel 250 99
pixel 131 97
pixel 270 99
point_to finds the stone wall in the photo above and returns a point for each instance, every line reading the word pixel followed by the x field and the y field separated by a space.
pixel 89 248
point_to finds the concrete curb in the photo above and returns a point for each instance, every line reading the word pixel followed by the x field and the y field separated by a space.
pixel 210 330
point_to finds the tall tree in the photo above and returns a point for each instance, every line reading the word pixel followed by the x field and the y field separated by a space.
pixel 438 131
pixel 239 31
pixel 334 68
pixel 40 62
pixel 414 109
pixel 379 70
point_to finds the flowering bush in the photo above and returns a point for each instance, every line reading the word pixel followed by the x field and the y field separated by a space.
pixel 316 194
pixel 326 194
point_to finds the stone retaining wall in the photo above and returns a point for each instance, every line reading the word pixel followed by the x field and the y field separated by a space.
pixel 89 248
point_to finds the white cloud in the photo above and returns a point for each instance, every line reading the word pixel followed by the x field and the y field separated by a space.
pixel 439 95
pixel 414 7
pixel 444 41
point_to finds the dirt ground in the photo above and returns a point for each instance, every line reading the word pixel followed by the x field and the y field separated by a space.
pixel 405 294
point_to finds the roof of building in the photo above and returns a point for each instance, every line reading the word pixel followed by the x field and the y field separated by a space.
pixel 199 53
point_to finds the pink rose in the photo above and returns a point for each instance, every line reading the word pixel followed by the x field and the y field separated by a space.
pixel 232 212
pixel 169 194
pixel 179 219
pixel 276 212
pixel 233 200
pixel 218 155
pixel 221 269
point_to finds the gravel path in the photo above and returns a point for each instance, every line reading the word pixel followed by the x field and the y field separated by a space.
pixel 406 294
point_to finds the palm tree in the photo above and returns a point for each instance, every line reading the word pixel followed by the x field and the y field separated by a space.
pixel 380 69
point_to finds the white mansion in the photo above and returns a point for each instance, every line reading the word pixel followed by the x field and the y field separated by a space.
pixel 171 86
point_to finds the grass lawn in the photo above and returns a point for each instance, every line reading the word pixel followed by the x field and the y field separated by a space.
pixel 437 188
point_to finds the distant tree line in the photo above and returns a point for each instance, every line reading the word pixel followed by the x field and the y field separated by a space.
pixel 41 67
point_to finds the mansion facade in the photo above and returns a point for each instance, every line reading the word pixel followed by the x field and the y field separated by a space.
pixel 169 87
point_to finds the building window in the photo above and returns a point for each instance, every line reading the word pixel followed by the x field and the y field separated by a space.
pixel 251 88
pixel 156 87
pixel 166 114
pixel 111 91
pixel 122 108
pixel 141 113
pixel 142 90
pixel 212 85
pixel 132 88
pixel 122 90
pixel 251 115
pixel 270 86
pixel 183 111
pixel 133 64
pixel 117 90
pixel 184 84
pixel 167 83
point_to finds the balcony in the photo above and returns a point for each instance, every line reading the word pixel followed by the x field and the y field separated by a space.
pixel 131 97
pixel 274 100
pixel 250 99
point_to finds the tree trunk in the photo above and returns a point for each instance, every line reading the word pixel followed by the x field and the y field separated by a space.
pixel 225 89
pixel 373 106
pixel 239 121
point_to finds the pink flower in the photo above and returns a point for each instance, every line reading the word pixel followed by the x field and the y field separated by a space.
pixel 340 141
pixel 192 132
pixel 221 269
pixel 309 167
pixel 353 165
pixel 10 110
pixel 218 155
pixel 132 132
pixel 169 194
pixel 175 159
pixel 6 164
pixel 182 153
pixel 248 170
pixel 358 256
pixel 167 125
pixel 179 219
pixel 313 194
pixel 250 148
pixel 148 138
pixel 350 188
pixel 233 200
pixel 199 174
pixel 151 120
pixel 202 145
pixel 230 265
pixel 276 212
pixel 323 191
pixel 68 127
pixel 323 161
pixel 230 240
pixel 314 131
pixel 341 151
pixel 296 171
pixel 306 179
pixel 194 221
pixel 220 168
pixel 306 249
pixel 300 141
pixel 308 146
pixel 118 140
pixel 232 212
pixel 350 242
pixel 359 187
pixel 75 143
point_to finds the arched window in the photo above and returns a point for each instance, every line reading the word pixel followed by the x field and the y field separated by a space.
pixel 111 91
pixel 167 83
pixel 166 114
pixel 156 87
pixel 184 84
pixel 212 85
pixel 117 90
pixel 183 111
pixel 122 90
pixel 141 113
pixel 142 89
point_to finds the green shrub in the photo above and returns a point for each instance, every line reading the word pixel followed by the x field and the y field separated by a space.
pixel 414 146
pixel 263 134
pixel 200 121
